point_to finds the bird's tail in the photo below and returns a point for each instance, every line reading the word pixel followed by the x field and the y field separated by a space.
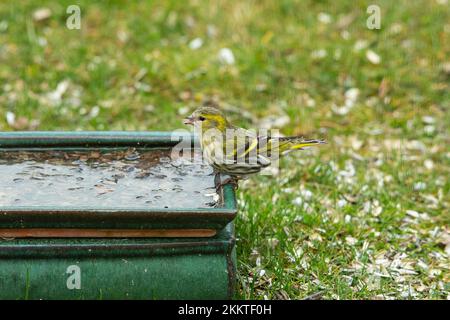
pixel 287 144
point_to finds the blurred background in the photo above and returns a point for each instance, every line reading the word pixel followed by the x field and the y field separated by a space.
pixel 366 216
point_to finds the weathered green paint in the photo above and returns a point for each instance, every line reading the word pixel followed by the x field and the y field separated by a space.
pixel 187 268
pixel 154 268
pixel 92 217
pixel 129 218
pixel 46 139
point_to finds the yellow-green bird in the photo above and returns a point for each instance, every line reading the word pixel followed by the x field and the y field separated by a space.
pixel 235 151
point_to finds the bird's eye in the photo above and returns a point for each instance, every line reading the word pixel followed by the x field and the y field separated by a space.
pixel 201 118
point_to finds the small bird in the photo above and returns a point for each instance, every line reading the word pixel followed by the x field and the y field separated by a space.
pixel 235 151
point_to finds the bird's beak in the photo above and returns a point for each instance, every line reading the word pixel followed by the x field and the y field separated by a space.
pixel 189 120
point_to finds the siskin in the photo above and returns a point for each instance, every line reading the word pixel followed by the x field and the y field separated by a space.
pixel 235 151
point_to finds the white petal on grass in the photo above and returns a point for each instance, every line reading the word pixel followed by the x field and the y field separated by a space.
pixel 258 261
pixel 94 112
pixel 190 21
pixel 350 240
pixel 306 194
pixel 141 74
pixel 431 199
pixel 337 54
pixel 428 120
pixel 352 94
pixel 396 28
pixel 149 108
pixel 341 203
pixel 56 96
pixel 298 201
pixel 75 97
pixel 316 237
pixel 42 41
pixel 144 87
pixel 324 18
pixel 123 36
pixel 388 178
pixel 310 102
pixel 226 56
pixel 349 169
pixel 298 252
pixel 319 54
pixel 10 118
pixel 377 211
pixel 195 44
pixel 419 186
pixel 445 66
pixel 412 213
pixel 434 272
pixel 271 170
pixel 356 143
pixel 373 57
pixel 345 34
pixel 42 14
pixel 428 164
pixel 422 265
pixel 373 207
pixel 360 45
pixel 274 121
pixel 211 30
pixel 341 111
pixel 3 25
pixel 260 87
pixel 183 110
pixel 429 129
pixel 273 242
pixel 416 145
pixel 82 111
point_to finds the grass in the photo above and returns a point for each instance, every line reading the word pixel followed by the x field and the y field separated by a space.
pixel 364 217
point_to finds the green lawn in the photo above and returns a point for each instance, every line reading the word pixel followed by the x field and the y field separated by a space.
pixel 365 216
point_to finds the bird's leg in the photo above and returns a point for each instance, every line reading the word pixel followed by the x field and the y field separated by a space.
pixel 220 181
pixel 216 177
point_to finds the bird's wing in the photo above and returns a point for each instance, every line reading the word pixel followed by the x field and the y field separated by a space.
pixel 274 146
pixel 240 142
pixel 247 144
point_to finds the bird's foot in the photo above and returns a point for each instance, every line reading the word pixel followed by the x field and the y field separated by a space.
pixel 220 181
